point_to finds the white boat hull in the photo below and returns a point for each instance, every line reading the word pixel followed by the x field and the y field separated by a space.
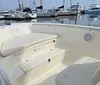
pixel 65 13
pixel 35 53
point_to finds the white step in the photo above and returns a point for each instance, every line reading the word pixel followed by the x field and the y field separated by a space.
pixel 39 59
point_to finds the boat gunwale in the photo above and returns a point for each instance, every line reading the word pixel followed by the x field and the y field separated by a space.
pixel 68 25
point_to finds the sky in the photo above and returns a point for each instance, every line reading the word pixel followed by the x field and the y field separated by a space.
pixel 13 4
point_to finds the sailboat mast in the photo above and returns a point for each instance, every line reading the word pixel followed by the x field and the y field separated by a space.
pixel 70 3
pixel 22 4
pixel 1 5
pixel 66 4
pixel 19 4
pixel 41 3
pixel 34 4
pixel 63 4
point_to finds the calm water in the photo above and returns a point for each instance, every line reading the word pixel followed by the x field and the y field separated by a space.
pixel 88 20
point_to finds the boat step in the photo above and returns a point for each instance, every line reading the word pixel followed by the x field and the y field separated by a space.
pixel 29 64
pixel 40 64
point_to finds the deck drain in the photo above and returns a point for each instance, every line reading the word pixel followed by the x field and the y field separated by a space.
pixel 54 41
pixel 26 60
pixel 34 50
pixel 51 49
pixel 49 60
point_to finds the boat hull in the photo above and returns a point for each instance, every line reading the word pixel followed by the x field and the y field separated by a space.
pixel 65 13
pixel 43 15
pixel 92 11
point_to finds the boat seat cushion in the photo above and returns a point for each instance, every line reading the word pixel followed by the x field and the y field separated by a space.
pixel 4 35
pixel 4 80
pixel 18 43
pixel 80 73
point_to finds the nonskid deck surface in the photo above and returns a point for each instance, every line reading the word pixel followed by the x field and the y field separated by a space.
pixel 42 66
pixel 49 77
pixel 40 58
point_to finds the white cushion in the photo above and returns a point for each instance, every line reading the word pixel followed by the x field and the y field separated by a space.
pixel 14 44
pixel 78 74
pixel 8 52
pixel 4 80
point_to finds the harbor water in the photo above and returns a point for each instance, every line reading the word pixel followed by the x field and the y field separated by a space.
pixel 87 20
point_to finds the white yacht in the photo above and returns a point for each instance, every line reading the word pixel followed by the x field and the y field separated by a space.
pixel 17 14
pixel 27 15
pixel 73 10
pixel 31 15
pixel 48 13
pixel 93 9
pixel 49 54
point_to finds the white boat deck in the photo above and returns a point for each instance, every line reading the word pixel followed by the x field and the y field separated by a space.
pixel 49 78
pixel 49 49
pixel 36 60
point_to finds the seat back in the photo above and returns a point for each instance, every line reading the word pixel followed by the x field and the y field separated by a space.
pixel 4 35
pixel 9 32
pixel 19 29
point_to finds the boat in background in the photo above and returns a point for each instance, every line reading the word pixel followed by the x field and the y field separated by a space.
pixel 27 15
pixel 48 13
pixel 73 10
pixel 93 9
pixel 17 15
pixel 21 13
pixel 42 13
